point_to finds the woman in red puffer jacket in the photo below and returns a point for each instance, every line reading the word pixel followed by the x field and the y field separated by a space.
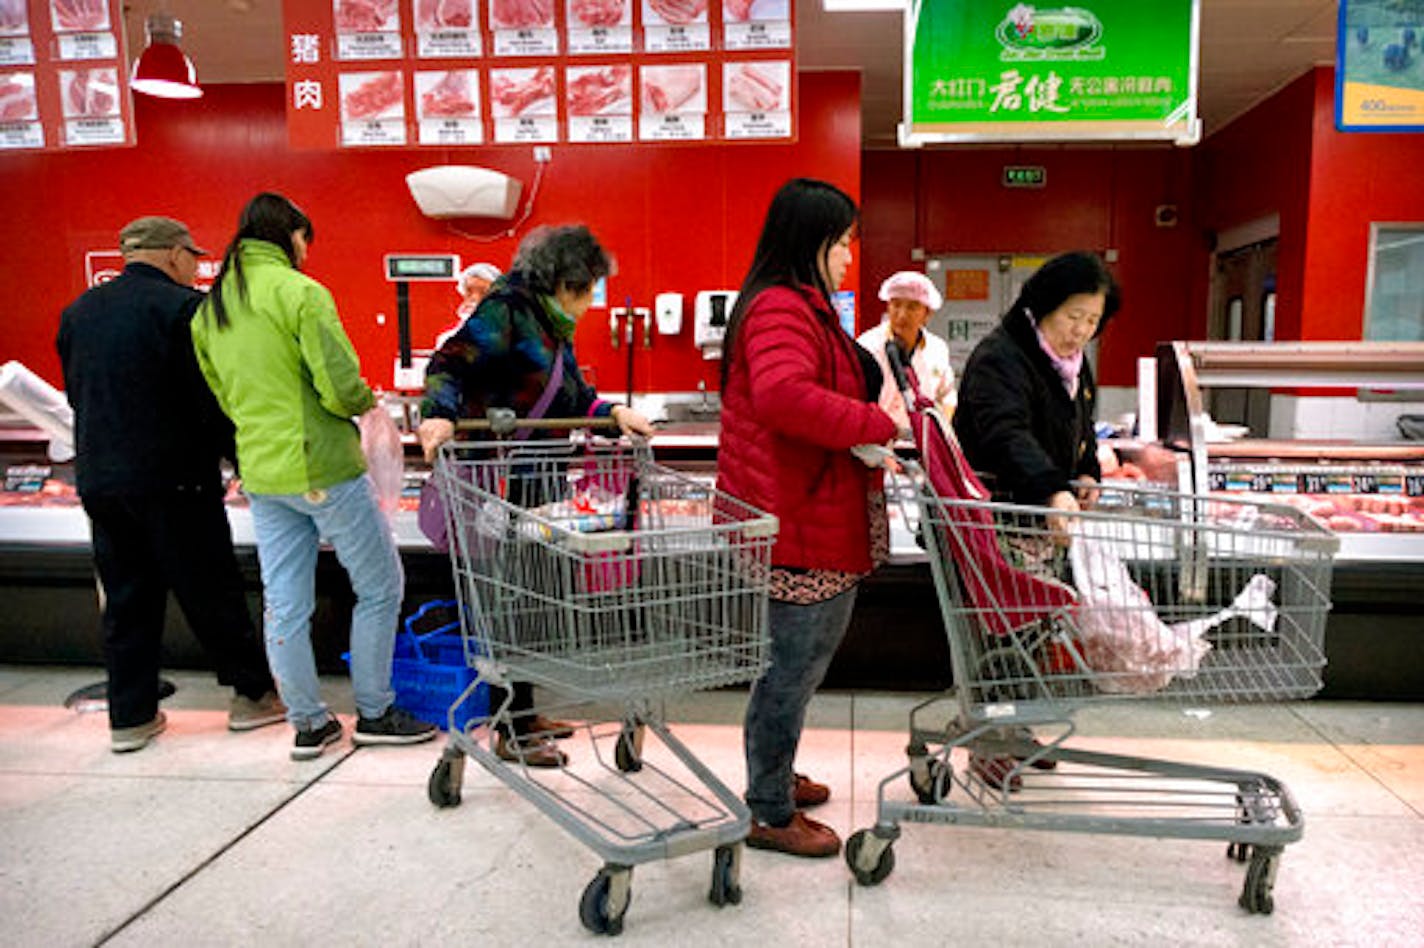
pixel 797 396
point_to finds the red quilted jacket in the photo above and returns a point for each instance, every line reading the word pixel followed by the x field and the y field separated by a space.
pixel 793 406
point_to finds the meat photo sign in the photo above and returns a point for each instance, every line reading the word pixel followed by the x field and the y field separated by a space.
pixel 414 73
pixel 63 75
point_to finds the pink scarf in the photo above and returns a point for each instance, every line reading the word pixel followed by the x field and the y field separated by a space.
pixel 1067 369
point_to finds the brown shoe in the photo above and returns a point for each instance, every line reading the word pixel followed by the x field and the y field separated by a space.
pixel 530 751
pixel 546 727
pixel 994 771
pixel 803 836
pixel 1038 763
pixel 809 793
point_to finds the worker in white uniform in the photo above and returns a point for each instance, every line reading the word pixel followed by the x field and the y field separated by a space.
pixel 910 299
pixel 473 283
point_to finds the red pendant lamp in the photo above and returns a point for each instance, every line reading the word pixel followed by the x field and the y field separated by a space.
pixel 163 69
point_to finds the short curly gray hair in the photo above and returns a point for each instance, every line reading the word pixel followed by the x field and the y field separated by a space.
pixel 569 257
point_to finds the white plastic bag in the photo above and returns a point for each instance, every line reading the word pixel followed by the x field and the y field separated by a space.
pixel 385 458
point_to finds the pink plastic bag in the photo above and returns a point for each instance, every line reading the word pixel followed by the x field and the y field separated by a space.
pixel 385 458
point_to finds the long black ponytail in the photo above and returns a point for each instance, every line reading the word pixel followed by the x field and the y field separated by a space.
pixel 270 217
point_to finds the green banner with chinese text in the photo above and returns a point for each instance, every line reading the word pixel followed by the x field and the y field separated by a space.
pixel 1002 71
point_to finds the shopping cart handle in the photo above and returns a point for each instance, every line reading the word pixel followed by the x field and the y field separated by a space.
pixel 502 421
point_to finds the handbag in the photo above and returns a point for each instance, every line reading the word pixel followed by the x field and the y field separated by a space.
pixel 431 515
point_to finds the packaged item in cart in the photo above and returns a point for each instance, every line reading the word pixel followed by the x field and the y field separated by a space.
pixel 1124 641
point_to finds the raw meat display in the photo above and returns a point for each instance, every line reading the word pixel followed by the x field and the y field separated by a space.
pixel 444 14
pixel 373 97
pixel 17 100
pixel 92 92
pixel 597 89
pixel 737 10
pixel 666 88
pixel 450 97
pixel 513 96
pixel 80 14
pixel 598 12
pixel 521 14
pixel 679 12
pixel 1360 513
pixel 14 16
pixel 355 16
pixel 754 88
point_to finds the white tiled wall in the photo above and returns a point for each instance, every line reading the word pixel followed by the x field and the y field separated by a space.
pixel 1337 418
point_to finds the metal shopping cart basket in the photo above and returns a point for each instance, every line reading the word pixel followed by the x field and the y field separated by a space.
pixel 613 583
pixel 1149 595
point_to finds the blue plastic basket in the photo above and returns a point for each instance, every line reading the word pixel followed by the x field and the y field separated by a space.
pixel 428 671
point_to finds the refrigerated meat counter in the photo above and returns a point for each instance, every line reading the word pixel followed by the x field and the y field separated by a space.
pixel 1371 493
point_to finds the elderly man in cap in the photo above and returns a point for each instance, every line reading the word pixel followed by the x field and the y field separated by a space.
pixel 910 300
pixel 149 439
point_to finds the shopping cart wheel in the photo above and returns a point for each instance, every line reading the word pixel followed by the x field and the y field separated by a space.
pixel 870 858
pixel 628 752
pixel 934 785
pixel 605 900
pixel 443 788
pixel 1260 880
pixel 726 871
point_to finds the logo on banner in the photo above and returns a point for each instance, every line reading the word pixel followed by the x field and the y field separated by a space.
pixel 1067 33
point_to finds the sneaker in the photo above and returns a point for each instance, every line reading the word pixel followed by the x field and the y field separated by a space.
pixel 808 792
pixel 247 714
pixel 311 742
pixel 802 836
pixel 396 726
pixel 122 740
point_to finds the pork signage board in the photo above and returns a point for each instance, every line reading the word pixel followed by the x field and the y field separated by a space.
pixel 408 74
pixel 1098 70
pixel 1379 85
pixel 64 76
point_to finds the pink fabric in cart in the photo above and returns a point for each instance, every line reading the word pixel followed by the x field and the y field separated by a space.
pixel 1008 597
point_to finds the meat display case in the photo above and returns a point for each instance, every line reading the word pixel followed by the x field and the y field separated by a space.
pixel 1370 492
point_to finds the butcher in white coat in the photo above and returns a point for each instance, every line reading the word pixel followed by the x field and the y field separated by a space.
pixel 910 299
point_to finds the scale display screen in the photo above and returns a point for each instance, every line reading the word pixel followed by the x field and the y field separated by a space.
pixel 408 267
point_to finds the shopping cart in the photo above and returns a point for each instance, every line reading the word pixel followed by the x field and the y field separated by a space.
pixel 1149 595
pixel 614 583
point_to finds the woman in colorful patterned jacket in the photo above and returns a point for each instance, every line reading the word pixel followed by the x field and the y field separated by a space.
pixel 515 347
pixel 797 396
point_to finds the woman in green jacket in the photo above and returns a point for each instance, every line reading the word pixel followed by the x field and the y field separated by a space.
pixel 271 346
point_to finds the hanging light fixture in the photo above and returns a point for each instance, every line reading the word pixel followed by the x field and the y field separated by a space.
pixel 163 69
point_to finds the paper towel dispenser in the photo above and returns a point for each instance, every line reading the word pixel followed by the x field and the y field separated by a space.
pixel 710 311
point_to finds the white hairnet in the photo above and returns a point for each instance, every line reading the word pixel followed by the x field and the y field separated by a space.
pixel 911 285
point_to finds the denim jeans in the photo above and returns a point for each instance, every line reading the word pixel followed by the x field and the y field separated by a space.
pixel 289 528
pixel 803 641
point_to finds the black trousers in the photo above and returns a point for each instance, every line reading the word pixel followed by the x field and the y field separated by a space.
pixel 145 546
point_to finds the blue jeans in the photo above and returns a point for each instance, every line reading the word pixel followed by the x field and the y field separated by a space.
pixel 804 639
pixel 289 529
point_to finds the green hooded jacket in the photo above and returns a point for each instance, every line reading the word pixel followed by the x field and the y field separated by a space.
pixel 286 374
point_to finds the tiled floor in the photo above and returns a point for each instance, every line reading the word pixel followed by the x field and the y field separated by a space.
pixel 210 838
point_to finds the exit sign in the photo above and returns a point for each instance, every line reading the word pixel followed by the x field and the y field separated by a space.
pixel 1025 176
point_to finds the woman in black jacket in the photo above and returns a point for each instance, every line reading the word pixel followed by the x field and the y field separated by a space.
pixel 1025 416
pixel 1027 396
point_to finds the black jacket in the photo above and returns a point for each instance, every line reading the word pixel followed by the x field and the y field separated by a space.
pixel 1015 420
pixel 145 421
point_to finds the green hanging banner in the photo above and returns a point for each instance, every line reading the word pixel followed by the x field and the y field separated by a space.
pixel 1108 69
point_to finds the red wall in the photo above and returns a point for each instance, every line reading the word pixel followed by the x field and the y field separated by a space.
pixel 1356 178
pixel 952 201
pixel 677 217
pixel 1285 156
